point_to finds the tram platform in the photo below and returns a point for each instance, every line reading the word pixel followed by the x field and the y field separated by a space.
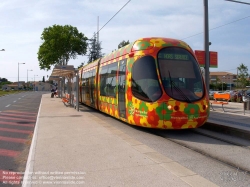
pixel 71 148
pixel 234 120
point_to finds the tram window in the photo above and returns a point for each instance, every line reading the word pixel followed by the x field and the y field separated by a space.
pixel 111 80
pixel 85 85
pixel 145 84
pixel 103 78
pixel 180 74
pixel 92 85
pixel 108 80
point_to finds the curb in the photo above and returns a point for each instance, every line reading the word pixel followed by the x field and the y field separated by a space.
pixel 31 157
pixel 227 130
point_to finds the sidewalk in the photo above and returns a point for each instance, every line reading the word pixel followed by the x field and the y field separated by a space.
pixel 71 147
pixel 233 117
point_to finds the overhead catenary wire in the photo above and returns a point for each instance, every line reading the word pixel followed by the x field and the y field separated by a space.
pixel 111 18
pixel 217 27
pixel 238 2
pixel 108 22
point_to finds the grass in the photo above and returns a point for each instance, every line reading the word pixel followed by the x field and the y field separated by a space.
pixel 7 92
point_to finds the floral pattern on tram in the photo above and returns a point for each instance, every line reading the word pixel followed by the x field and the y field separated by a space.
pixel 166 112
pixel 109 105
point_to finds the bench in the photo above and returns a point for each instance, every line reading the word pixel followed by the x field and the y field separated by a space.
pixel 65 100
pixel 225 99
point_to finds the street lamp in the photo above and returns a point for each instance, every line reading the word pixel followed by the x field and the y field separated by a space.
pixel 18 73
pixel 35 82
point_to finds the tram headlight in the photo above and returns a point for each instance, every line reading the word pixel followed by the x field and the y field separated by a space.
pixel 205 107
pixel 170 107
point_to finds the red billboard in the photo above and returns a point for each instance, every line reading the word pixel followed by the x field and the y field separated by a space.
pixel 213 58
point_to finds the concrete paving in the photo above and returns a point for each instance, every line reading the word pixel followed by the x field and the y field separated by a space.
pixel 73 148
pixel 235 120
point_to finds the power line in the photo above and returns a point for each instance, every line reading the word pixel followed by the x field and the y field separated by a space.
pixel 111 18
pixel 217 27
pixel 238 2
pixel 114 15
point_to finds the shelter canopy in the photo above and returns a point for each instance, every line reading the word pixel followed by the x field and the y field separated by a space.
pixel 62 71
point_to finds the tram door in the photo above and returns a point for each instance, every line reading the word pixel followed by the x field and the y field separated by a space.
pixel 121 88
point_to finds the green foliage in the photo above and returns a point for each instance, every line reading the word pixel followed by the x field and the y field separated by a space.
pixel 243 75
pixel 212 86
pixel 94 49
pixel 81 65
pixel 3 80
pixel 60 43
pixel 3 83
pixel 123 43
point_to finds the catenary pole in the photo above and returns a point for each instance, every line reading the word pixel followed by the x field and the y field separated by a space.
pixel 206 43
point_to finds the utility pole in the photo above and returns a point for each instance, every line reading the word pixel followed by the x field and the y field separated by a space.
pixel 97 38
pixel 206 44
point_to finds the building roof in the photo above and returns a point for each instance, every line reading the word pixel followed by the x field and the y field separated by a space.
pixel 13 85
pixel 221 73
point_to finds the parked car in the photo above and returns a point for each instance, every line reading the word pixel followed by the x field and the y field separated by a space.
pixel 232 94
pixel 211 94
pixel 238 96
pixel 248 93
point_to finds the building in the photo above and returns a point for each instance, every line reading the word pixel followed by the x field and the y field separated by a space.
pixel 223 77
pixel 13 86
pixel 39 86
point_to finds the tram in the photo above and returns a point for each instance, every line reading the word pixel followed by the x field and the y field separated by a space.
pixel 152 82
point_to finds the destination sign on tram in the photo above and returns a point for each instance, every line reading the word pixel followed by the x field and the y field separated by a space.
pixel 171 56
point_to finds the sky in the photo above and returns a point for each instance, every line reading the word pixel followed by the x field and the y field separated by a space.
pixel 23 21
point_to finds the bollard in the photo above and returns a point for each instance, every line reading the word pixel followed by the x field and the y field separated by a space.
pixel 246 101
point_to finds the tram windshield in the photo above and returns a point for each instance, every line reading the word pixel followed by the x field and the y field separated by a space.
pixel 180 74
pixel 145 82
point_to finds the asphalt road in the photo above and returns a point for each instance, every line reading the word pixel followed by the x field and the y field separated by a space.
pixel 18 114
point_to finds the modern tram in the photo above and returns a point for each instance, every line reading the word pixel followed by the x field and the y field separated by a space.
pixel 152 82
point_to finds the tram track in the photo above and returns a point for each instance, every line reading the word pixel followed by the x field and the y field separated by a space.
pixel 221 138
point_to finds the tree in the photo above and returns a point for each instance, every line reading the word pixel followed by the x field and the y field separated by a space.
pixel 123 43
pixel 81 65
pixel 60 44
pixel 43 79
pixel 94 49
pixel 243 75
pixel 3 80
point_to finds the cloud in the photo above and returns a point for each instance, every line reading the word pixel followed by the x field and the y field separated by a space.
pixel 24 21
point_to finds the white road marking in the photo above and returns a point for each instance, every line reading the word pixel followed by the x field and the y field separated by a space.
pixel 7 105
